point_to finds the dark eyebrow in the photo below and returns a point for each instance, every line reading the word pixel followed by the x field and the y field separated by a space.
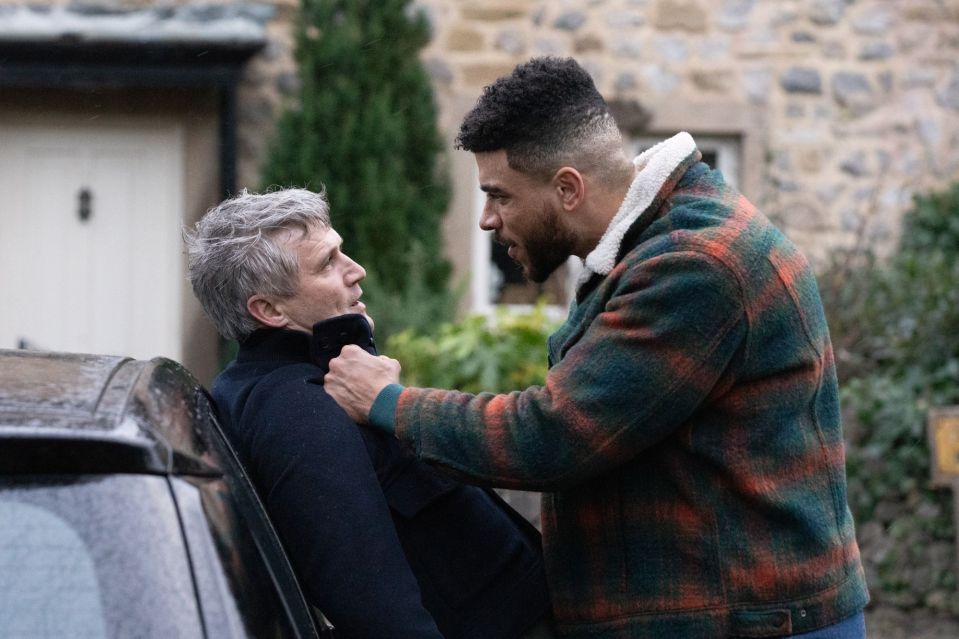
pixel 492 190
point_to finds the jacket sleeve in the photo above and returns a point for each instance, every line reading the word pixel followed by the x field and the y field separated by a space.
pixel 326 502
pixel 637 372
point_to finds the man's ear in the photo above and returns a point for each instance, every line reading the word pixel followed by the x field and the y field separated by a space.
pixel 570 186
pixel 264 309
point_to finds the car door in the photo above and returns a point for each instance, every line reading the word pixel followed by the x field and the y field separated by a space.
pixel 244 580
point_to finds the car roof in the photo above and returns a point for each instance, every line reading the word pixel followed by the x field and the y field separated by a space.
pixel 70 412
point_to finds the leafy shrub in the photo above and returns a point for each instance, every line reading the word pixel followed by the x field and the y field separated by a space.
pixel 896 336
pixel 504 353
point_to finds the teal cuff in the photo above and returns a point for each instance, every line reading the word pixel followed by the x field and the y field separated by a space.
pixel 383 411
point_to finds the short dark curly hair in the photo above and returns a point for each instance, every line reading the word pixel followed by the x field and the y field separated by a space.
pixel 546 112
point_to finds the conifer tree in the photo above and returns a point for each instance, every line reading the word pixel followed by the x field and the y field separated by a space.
pixel 365 128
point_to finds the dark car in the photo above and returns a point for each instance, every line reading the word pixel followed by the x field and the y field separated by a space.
pixel 125 513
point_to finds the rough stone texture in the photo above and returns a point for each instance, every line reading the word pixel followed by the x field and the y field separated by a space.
pixel 929 11
pixel 801 80
pixel 288 84
pixel 548 46
pixel 483 74
pixel 929 132
pixel 624 82
pixel 672 49
pixel 464 40
pixel 876 51
pixel 757 84
pixel 826 12
pixel 874 22
pixel 834 49
pixel 886 81
pixel 714 48
pixel 589 43
pixel 734 14
pixel 511 41
pixel 570 21
pixel 439 71
pixel 594 70
pixel 855 165
pixel 626 48
pixel 625 19
pixel 811 159
pixel 687 15
pixel 853 91
pixel 537 16
pixel 949 96
pixel 487 12
pixel 712 80
pixel 659 79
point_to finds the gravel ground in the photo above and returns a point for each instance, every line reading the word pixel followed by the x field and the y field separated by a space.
pixel 893 623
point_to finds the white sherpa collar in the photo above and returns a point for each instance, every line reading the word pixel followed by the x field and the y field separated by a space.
pixel 654 167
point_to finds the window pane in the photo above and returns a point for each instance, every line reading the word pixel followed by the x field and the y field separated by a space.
pixel 48 581
pixel 237 589
pixel 111 553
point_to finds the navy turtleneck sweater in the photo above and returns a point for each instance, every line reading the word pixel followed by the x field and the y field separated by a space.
pixel 382 544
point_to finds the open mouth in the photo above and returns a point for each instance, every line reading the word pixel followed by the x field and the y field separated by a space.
pixel 510 246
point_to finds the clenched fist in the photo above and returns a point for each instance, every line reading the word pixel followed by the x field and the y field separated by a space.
pixel 356 378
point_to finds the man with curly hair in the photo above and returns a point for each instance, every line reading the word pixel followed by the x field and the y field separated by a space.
pixel 687 439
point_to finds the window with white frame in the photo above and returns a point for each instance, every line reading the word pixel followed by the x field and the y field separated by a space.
pixel 719 152
pixel 498 281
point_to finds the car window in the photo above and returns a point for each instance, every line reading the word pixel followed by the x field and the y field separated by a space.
pixel 237 592
pixel 229 532
pixel 93 556
pixel 48 581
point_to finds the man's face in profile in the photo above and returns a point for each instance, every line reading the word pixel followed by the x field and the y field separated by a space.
pixel 328 281
pixel 524 214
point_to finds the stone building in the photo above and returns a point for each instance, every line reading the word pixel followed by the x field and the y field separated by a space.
pixel 828 114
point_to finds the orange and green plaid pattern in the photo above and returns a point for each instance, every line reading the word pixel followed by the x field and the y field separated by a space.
pixel 687 438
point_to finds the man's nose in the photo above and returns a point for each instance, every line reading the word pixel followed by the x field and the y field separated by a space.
pixel 489 221
pixel 354 272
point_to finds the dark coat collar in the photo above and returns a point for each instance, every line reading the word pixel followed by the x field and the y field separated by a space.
pixel 328 338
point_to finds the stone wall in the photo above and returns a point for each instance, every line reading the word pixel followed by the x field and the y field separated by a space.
pixel 269 85
pixel 853 105
pixel 844 108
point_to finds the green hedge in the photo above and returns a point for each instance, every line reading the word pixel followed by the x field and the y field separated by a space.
pixel 895 329
pixel 499 354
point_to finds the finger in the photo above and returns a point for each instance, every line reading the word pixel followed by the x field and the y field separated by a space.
pixel 350 349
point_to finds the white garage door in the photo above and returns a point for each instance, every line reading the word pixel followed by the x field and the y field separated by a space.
pixel 89 237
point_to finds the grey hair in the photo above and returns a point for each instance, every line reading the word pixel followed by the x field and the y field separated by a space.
pixel 238 249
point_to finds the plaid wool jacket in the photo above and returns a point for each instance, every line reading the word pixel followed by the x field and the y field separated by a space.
pixel 687 438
